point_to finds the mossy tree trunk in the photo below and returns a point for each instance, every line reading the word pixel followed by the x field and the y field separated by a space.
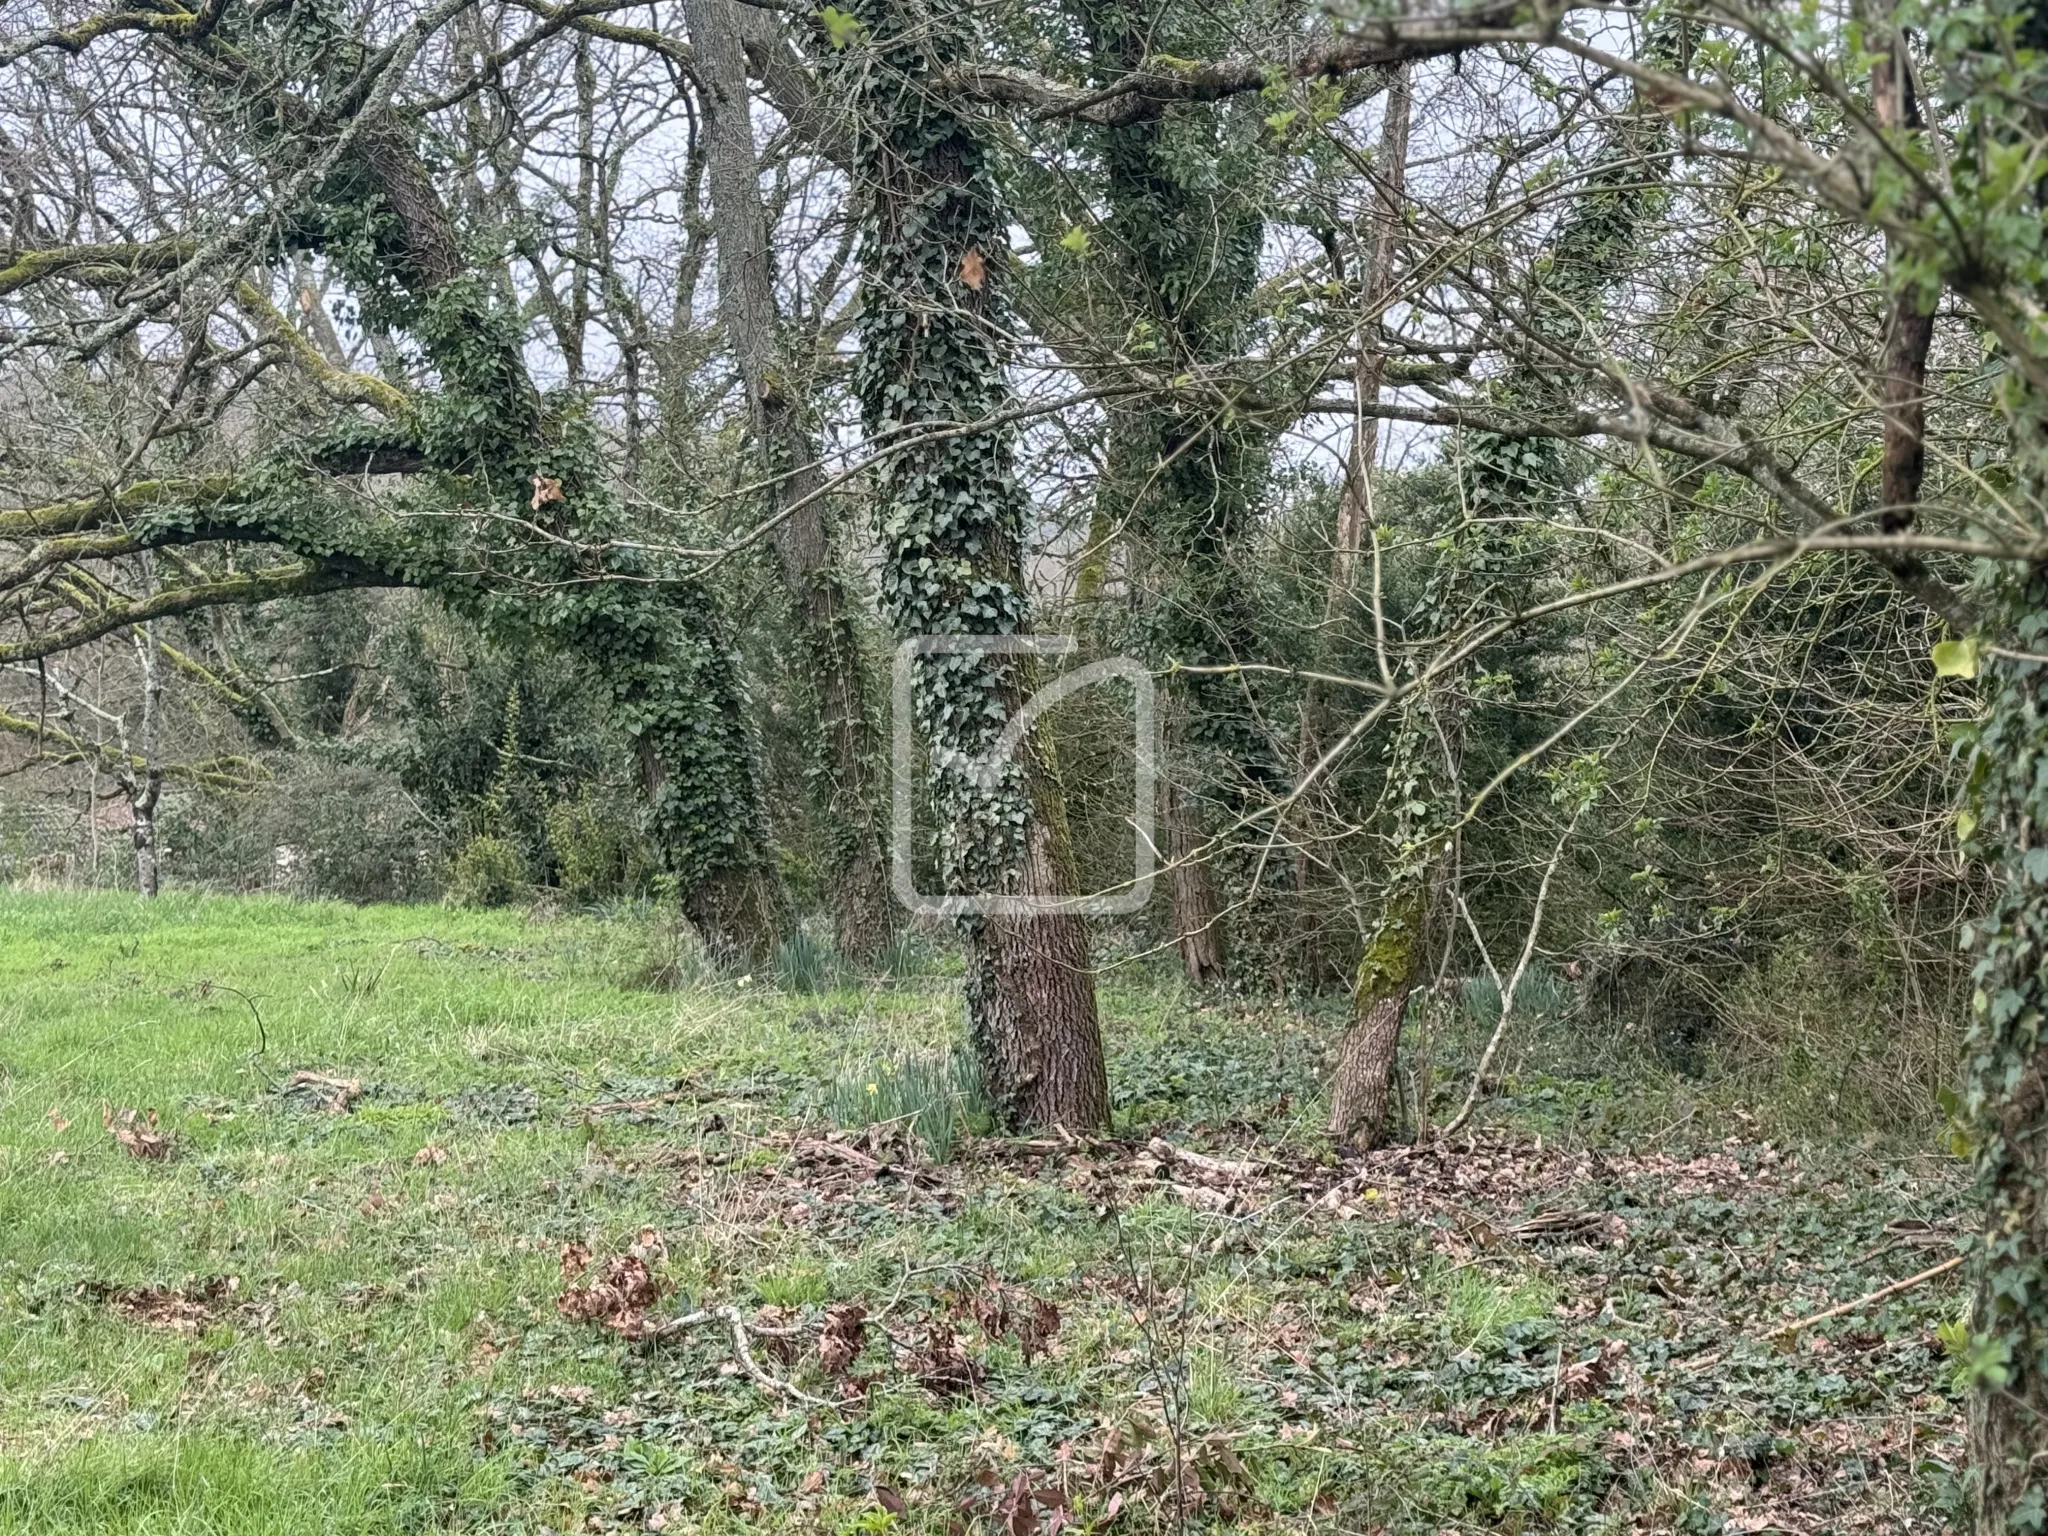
pixel 1387 975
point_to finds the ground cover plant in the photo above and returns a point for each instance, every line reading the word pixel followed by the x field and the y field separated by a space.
pixel 324 1218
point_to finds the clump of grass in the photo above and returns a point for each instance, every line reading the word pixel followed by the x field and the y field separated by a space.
pixel 1215 1395
pixel 1477 1311
pixel 934 1094
pixel 803 964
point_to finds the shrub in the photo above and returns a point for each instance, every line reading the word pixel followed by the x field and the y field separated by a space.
pixel 600 854
pixel 488 872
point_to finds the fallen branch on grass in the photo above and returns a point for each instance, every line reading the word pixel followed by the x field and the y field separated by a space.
pixel 742 1352
pixel 1883 1293
pixel 1863 1301
pixel 1215 1167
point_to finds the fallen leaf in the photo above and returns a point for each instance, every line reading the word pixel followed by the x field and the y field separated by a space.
pixel 136 1131
pixel 429 1156
pixel 546 488
pixel 57 1120
pixel 618 1296
pixel 841 1338
pixel 973 268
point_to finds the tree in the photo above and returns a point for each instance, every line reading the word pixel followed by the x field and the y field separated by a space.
pixel 933 392
pixel 779 410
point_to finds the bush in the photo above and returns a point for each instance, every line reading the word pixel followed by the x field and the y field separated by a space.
pixel 1820 1039
pixel 600 854
pixel 326 826
pixel 488 872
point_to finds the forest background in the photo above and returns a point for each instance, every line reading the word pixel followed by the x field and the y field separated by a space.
pixel 1573 475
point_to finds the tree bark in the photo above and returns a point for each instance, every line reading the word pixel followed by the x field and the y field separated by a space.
pixel 1909 325
pixel 1191 885
pixel 142 802
pixel 1031 990
pixel 1387 974
pixel 933 355
pixel 819 601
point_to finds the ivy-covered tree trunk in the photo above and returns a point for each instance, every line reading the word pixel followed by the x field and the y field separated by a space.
pixel 1991 67
pixel 2006 1098
pixel 657 647
pixel 952 514
pixel 1415 789
pixel 823 609
pixel 2008 1093
pixel 1181 240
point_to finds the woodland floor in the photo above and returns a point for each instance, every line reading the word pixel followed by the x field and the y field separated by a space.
pixel 337 1303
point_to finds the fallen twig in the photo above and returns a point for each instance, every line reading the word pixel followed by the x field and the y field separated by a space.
pixel 1218 1167
pixel 1880 1294
pixel 737 1326
pixel 1883 1293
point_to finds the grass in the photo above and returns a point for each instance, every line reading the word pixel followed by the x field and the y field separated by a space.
pixel 390 1357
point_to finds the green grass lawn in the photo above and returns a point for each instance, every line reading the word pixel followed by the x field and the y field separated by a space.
pixel 311 1318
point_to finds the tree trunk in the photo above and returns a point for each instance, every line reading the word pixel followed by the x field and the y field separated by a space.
pixel 819 601
pixel 1365 1061
pixel 1191 883
pixel 1031 1001
pixel 142 802
pixel 1909 323
pixel 933 358
pixel 2008 1099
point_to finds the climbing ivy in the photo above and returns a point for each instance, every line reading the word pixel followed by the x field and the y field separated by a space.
pixel 950 510
pixel 932 387
pixel 1988 240
pixel 509 517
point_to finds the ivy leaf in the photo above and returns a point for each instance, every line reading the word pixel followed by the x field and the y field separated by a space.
pixel 1956 658
pixel 973 269
pixel 842 28
pixel 1076 240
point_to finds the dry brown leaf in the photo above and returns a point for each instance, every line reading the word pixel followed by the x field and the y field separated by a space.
pixel 973 268
pixel 618 1296
pixel 841 1338
pixel 185 1310
pixel 429 1156
pixel 56 1119
pixel 137 1132
pixel 546 488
